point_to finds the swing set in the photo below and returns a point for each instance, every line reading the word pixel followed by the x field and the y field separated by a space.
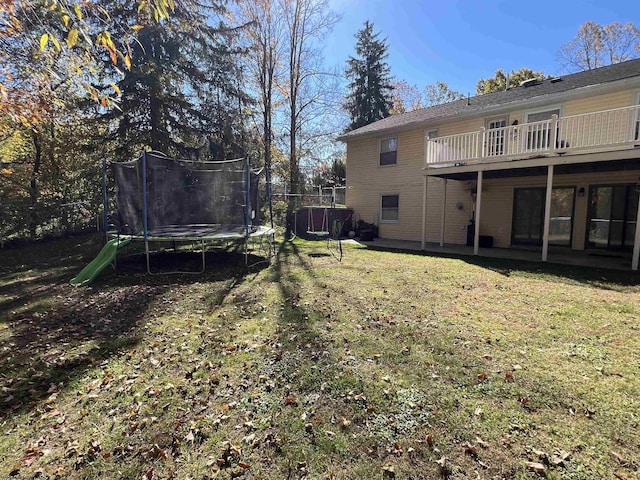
pixel 332 234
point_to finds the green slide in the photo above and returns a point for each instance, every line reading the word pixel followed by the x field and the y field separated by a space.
pixel 104 258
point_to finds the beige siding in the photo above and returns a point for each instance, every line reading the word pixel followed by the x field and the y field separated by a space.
pixel 367 182
pixel 598 103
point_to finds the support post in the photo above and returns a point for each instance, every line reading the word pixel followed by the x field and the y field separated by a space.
pixel 554 133
pixel 424 212
pixel 547 214
pixel 267 175
pixel 476 236
pixel 105 220
pixel 443 213
pixel 247 209
pixel 636 242
pixel 144 210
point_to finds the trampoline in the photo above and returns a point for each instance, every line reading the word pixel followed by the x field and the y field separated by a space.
pixel 209 204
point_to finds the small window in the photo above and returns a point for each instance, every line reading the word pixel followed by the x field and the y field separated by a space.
pixel 636 130
pixel 431 134
pixel 388 151
pixel 389 210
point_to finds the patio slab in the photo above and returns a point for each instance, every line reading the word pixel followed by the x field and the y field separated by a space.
pixel 558 255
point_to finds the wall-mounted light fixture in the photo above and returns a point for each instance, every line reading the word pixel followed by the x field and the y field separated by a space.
pixel 581 192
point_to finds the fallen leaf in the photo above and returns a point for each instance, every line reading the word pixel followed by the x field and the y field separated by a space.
pixel 618 457
pixel 388 471
pixel 429 439
pixel 560 457
pixel 536 467
pixel 469 449
pixel 481 442
pixel 482 377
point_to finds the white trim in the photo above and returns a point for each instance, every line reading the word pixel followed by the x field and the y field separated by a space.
pixel 547 213
pixel 624 154
pixel 636 242
pixel 443 212
pixel 382 139
pixel 557 106
pixel 424 212
pixel 476 237
pixel 496 118
pixel 380 207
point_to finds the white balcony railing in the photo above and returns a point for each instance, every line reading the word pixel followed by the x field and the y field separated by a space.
pixel 597 131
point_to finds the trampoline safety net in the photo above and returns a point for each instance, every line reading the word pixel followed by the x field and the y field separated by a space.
pixel 181 194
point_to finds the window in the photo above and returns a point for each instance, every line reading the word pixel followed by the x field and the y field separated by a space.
pixel 636 130
pixel 388 151
pixel 390 207
pixel 431 134
pixel 495 136
pixel 539 136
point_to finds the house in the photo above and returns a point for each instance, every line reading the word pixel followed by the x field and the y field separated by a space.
pixel 548 163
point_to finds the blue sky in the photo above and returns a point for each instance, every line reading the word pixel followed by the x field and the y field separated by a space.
pixel 459 42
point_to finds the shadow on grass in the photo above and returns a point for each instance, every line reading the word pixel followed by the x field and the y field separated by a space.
pixel 603 278
pixel 54 332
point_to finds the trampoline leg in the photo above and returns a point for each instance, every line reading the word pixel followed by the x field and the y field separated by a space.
pixel 203 257
pixel 146 252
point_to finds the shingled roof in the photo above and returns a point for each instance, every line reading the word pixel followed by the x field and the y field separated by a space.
pixel 504 98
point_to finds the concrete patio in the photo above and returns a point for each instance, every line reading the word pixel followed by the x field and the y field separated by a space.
pixel 616 260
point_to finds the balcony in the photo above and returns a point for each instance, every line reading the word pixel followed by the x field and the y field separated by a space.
pixel 592 132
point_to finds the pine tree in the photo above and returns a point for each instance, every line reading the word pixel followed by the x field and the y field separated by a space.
pixel 370 85
pixel 182 94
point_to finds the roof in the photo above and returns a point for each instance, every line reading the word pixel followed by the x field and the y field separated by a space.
pixel 505 98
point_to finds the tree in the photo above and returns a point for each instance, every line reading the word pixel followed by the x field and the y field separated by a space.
pixel 77 31
pixel 370 87
pixel 498 82
pixel 331 173
pixel 265 38
pixel 406 97
pixel 306 23
pixel 596 46
pixel 439 93
pixel 180 95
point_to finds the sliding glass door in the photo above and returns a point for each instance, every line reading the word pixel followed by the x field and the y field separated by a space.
pixel 528 216
pixel 612 216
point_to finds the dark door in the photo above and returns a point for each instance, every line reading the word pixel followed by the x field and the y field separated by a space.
pixel 528 216
pixel 612 216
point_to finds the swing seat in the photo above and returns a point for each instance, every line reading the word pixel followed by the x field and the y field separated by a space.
pixel 319 233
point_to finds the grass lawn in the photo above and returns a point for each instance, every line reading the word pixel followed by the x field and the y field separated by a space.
pixel 387 365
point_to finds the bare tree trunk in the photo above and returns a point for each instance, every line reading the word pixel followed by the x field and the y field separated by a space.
pixel 33 185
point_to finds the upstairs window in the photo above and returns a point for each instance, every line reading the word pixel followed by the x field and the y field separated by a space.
pixel 636 130
pixel 389 211
pixel 538 137
pixel 388 151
